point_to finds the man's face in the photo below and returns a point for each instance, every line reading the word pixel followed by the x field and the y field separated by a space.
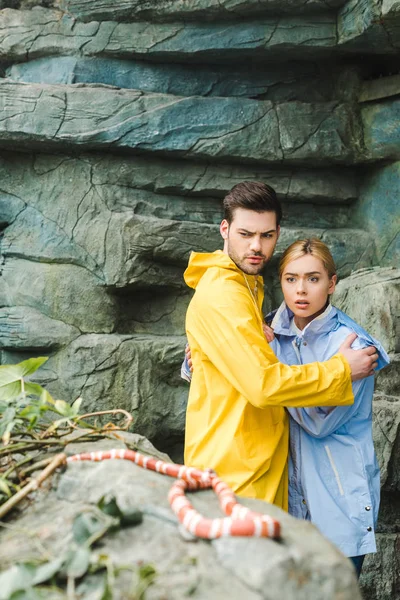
pixel 250 239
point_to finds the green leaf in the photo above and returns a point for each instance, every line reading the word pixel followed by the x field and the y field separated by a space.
pixel 76 406
pixel 131 518
pixel 33 389
pixel 47 570
pixel 94 587
pixel 11 377
pixel 11 373
pixel 32 413
pixel 46 398
pixel 84 526
pixel 16 578
pixel 77 563
pixel 4 488
pixel 16 583
pixel 8 422
pixel 147 572
pixel 108 505
pixel 64 409
pixel 10 391
pixel 31 365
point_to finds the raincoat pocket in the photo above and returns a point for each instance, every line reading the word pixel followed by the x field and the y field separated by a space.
pixel 334 469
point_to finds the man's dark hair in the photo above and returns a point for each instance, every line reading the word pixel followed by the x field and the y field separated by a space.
pixel 252 195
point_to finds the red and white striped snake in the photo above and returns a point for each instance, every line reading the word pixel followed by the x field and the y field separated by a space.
pixel 240 521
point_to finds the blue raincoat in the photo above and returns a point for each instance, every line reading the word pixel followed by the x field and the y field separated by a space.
pixel 333 471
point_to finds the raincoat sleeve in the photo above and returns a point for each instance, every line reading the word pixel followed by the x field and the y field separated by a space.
pixel 227 327
pixel 321 422
pixel 185 371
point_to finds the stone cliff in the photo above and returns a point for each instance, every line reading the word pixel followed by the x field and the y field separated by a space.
pixel 124 123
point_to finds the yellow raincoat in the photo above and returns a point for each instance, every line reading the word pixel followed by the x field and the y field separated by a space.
pixel 235 421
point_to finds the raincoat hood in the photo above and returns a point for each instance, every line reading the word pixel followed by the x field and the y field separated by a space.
pixel 330 320
pixel 200 262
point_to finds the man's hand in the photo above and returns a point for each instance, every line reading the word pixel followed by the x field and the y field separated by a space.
pixel 188 355
pixel 362 362
pixel 268 332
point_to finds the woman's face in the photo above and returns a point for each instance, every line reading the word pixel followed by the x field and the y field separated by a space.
pixel 306 286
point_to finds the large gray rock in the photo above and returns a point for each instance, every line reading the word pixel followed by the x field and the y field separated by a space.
pixel 381 133
pixel 63 292
pixel 28 329
pixel 88 10
pixel 381 572
pixel 391 16
pixel 68 193
pixel 388 380
pixel 41 32
pixel 389 513
pixel 57 185
pixel 35 237
pixel 10 207
pixel 302 566
pixel 372 298
pixel 292 81
pixel 189 127
pixel 140 373
pixel 361 26
pixel 351 248
pixel 146 252
pixel 386 431
pixel 93 246
pixel 377 210
pixel 150 253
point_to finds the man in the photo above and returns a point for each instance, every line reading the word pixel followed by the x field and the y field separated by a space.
pixel 236 422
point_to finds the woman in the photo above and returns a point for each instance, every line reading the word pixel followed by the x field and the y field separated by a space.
pixel 333 471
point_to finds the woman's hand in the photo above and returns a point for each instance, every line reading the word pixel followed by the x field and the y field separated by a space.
pixel 188 355
pixel 268 332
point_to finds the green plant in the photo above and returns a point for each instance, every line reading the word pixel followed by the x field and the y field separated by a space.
pixel 96 574
pixel 33 425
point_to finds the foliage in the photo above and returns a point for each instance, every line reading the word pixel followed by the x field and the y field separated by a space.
pixel 32 423
pixel 27 580
pixel 32 426
pixel 23 404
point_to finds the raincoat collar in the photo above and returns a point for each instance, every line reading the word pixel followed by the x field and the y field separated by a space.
pixel 330 320
pixel 282 322
pixel 199 262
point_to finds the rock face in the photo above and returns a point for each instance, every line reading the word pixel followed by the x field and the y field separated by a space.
pixel 302 565
pixel 371 296
pixel 123 125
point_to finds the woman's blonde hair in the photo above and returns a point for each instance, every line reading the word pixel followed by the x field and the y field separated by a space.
pixel 311 246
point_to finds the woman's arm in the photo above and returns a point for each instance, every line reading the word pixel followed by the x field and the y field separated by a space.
pixel 186 368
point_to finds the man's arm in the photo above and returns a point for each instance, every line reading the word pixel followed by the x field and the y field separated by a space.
pixel 319 422
pixel 229 333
